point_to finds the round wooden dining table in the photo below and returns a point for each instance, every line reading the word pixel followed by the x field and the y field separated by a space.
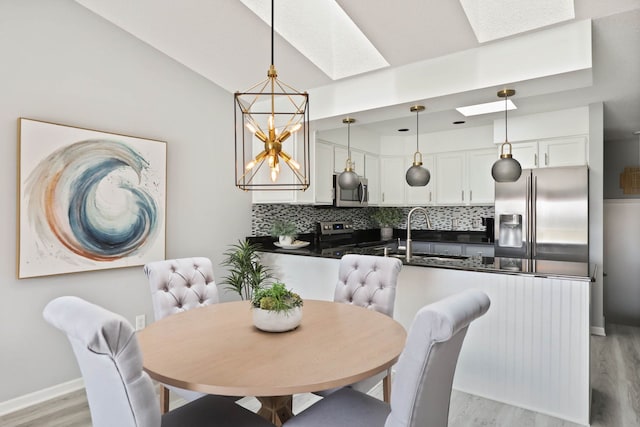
pixel 217 350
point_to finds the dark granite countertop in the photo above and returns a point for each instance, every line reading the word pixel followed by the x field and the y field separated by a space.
pixel 364 245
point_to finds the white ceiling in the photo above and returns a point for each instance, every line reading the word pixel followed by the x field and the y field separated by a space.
pixel 228 44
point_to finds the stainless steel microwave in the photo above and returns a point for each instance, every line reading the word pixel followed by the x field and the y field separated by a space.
pixel 356 198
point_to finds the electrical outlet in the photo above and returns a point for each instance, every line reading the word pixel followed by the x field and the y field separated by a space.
pixel 140 322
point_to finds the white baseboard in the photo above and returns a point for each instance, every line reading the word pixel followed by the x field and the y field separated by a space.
pixel 40 396
pixel 598 330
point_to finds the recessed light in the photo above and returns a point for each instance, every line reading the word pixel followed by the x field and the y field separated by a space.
pixel 403 130
pixel 488 107
pixel 459 122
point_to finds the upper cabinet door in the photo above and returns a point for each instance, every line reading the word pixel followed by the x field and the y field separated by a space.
pixel 392 185
pixel 481 185
pixel 323 174
pixel 563 152
pixel 524 152
pixel 372 172
pixel 450 178
pixel 340 160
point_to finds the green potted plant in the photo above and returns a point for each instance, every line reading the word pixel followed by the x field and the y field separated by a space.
pixel 285 230
pixel 276 308
pixel 246 272
pixel 387 218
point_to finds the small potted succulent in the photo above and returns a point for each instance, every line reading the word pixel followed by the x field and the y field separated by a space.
pixel 276 308
pixel 285 230
pixel 386 218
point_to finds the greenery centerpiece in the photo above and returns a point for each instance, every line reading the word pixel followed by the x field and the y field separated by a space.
pixel 285 230
pixel 276 308
pixel 246 273
pixel 387 218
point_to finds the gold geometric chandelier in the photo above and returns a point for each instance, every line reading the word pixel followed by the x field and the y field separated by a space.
pixel 272 129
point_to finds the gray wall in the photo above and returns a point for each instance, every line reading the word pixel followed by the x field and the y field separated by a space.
pixel 617 156
pixel 61 63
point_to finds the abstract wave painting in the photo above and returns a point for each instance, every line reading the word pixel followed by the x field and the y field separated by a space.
pixel 89 200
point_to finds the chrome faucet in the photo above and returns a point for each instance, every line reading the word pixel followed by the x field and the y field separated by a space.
pixel 426 215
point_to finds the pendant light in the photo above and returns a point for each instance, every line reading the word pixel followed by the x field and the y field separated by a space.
pixel 272 119
pixel 506 168
pixel 348 179
pixel 417 176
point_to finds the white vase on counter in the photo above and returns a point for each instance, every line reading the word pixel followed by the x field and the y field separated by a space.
pixel 286 240
pixel 386 233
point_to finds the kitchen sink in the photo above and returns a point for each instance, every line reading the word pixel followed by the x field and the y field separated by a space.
pixel 435 257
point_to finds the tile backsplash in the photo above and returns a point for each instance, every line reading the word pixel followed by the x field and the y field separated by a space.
pixel 306 217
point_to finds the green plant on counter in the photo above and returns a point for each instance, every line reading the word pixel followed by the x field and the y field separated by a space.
pixel 282 227
pixel 276 298
pixel 246 272
pixel 387 217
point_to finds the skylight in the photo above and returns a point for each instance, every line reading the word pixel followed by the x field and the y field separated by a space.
pixel 324 33
pixel 486 108
pixel 495 19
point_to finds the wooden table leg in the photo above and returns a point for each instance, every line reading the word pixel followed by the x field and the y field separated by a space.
pixel 164 399
pixel 386 387
pixel 276 409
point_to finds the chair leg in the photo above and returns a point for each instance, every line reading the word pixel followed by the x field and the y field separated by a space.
pixel 386 387
pixel 164 399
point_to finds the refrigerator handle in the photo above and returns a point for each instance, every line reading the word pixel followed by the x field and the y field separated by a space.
pixel 529 218
pixel 534 219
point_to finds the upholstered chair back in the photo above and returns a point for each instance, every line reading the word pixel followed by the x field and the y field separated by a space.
pixel 425 369
pixel 119 392
pixel 368 281
pixel 181 284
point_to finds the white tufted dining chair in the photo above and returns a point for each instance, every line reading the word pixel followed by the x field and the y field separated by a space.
pixel 368 281
pixel 119 392
pixel 424 375
pixel 178 285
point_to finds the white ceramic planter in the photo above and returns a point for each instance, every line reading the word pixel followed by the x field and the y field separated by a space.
pixel 277 321
pixel 285 240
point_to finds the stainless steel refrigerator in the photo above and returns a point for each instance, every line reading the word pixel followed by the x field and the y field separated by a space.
pixel 544 215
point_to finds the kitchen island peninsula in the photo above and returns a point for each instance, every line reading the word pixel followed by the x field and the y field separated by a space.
pixel 530 350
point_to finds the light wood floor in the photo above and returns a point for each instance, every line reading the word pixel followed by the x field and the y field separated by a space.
pixel 615 370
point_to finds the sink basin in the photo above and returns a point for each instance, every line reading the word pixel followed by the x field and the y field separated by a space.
pixel 437 257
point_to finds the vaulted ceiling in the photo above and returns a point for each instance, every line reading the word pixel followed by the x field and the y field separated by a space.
pixel 227 43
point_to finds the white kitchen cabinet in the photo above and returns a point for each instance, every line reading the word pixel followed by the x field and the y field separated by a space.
pixel 372 172
pixel 526 153
pixel 323 174
pixel 421 196
pixel 570 151
pixel 563 152
pixel 464 177
pixel 340 160
pixel 450 178
pixel 479 180
pixel 392 180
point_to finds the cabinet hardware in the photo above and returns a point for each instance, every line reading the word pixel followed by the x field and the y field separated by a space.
pixel 535 160
pixel 470 195
pixel 546 159
pixel 463 195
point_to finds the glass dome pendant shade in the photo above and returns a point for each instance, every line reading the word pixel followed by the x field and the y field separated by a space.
pixel 417 176
pixel 506 168
pixel 348 179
